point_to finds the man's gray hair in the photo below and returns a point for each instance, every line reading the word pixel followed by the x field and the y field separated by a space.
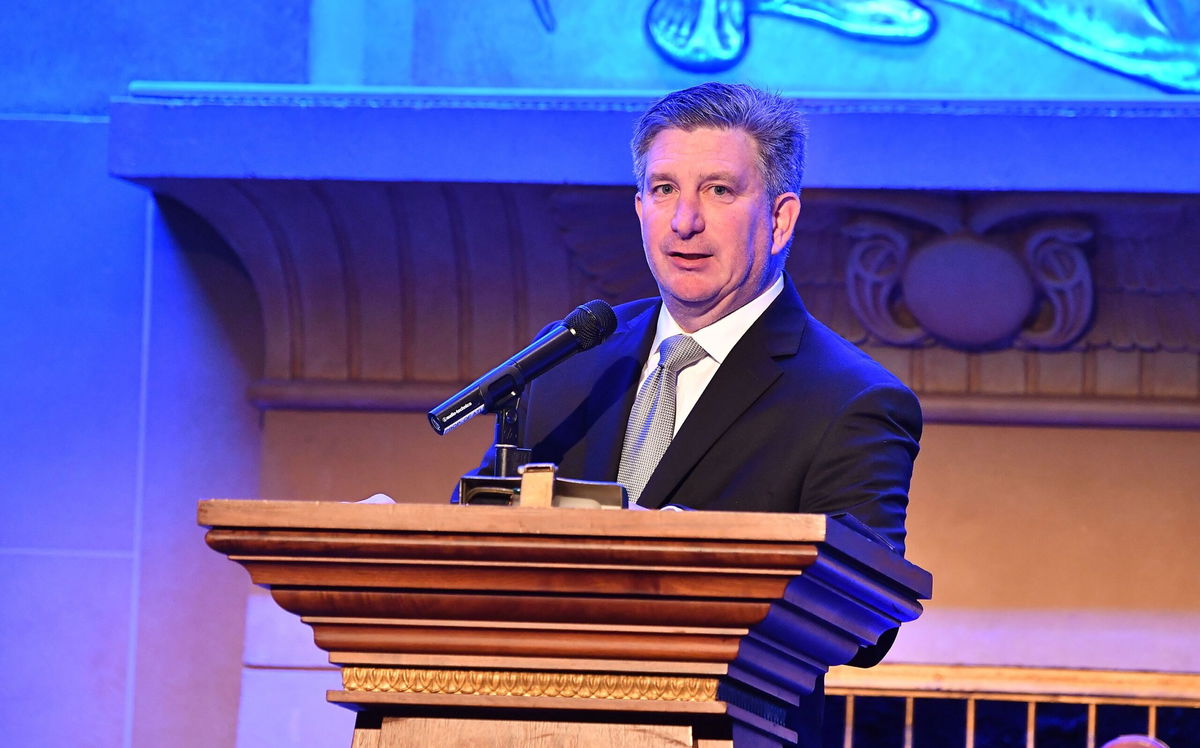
pixel 775 125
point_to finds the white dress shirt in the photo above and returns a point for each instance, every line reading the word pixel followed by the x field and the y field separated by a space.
pixel 717 340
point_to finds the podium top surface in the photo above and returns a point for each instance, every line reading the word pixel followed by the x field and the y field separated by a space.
pixel 503 519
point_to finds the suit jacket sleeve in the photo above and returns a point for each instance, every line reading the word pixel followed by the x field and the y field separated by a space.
pixel 864 460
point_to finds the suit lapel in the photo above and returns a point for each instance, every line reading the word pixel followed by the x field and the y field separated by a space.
pixel 745 374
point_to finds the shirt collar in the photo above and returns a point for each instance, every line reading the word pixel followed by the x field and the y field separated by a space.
pixel 719 338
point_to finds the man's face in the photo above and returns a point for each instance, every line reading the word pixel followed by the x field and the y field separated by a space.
pixel 712 238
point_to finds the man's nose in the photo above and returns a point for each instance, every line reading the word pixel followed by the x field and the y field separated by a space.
pixel 689 218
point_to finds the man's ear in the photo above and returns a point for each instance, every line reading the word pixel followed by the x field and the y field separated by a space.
pixel 784 214
pixel 637 204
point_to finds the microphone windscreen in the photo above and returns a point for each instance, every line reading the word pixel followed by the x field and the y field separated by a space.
pixel 591 322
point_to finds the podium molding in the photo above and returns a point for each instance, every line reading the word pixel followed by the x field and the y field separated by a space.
pixel 469 624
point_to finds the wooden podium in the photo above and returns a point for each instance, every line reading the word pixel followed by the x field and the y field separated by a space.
pixel 513 626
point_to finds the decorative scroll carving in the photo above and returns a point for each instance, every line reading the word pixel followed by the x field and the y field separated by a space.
pixel 529 683
pixel 969 291
pixel 877 259
pixel 1061 270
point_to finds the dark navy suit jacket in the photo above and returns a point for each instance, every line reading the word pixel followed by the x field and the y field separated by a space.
pixel 796 419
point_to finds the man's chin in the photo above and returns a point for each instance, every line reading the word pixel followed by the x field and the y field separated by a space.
pixel 695 304
pixel 692 297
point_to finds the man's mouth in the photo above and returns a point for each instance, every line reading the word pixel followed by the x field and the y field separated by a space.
pixel 689 255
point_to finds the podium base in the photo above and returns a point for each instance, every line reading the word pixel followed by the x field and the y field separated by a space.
pixel 421 732
pixel 397 726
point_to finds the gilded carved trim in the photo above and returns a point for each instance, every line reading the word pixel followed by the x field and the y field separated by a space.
pixel 529 683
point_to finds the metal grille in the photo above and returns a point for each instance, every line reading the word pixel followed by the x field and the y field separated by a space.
pixel 1054 709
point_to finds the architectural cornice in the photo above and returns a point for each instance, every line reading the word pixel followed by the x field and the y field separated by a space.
pixel 208 130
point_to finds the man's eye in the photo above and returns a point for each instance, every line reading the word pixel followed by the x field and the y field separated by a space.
pixel 720 190
pixel 664 189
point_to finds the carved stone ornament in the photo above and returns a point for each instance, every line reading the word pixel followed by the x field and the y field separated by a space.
pixel 971 291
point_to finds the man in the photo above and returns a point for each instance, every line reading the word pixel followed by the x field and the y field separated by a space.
pixel 771 411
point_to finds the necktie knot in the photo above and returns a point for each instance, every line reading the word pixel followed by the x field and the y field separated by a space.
pixel 679 352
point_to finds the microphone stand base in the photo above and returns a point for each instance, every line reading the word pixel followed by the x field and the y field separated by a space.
pixel 509 460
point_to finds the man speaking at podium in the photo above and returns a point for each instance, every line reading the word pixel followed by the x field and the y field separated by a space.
pixel 725 394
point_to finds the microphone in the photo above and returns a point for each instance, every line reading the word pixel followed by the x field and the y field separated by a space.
pixel 585 327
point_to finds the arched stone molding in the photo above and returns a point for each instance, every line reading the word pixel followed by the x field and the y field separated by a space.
pixel 386 293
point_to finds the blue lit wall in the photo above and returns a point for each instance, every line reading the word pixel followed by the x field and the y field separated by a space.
pixel 129 335
pixel 65 57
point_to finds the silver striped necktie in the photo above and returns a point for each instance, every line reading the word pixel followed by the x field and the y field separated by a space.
pixel 652 420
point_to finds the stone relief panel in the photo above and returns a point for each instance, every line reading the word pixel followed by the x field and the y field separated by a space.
pixel 388 295
pixel 1150 40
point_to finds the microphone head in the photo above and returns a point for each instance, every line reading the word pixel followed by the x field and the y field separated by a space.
pixel 591 323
